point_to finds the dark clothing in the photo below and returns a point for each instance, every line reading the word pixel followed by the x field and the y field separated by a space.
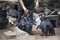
pixel 30 7
pixel 28 2
pixel 21 11
pixel 25 23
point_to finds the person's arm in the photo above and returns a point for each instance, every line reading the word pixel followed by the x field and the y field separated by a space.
pixel 23 6
pixel 37 1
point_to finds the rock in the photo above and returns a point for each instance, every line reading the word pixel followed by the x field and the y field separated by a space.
pixel 9 35
pixel 20 32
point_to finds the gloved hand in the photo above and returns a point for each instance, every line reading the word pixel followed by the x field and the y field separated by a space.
pixel 36 6
pixel 26 10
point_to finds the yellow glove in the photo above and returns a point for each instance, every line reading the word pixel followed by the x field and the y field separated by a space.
pixel 36 6
pixel 25 10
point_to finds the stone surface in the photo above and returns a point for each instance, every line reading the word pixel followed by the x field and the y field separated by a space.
pixel 9 35
pixel 33 37
pixel 20 32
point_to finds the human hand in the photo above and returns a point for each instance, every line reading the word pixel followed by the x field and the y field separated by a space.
pixel 36 6
pixel 26 10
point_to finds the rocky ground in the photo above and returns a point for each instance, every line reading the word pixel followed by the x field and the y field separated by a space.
pixel 33 37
